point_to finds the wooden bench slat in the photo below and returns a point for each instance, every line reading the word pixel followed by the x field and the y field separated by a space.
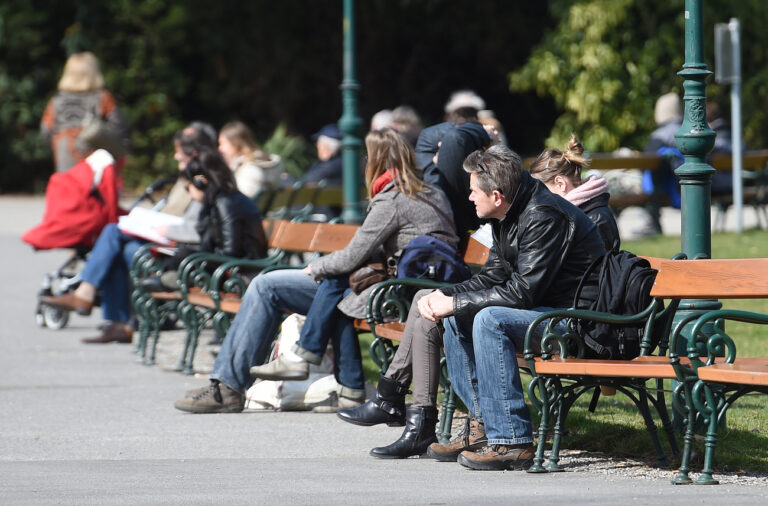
pixel 753 372
pixel 166 295
pixel 751 160
pixel 607 368
pixel 296 236
pixel 655 261
pixel 332 237
pixel 392 330
pixel 712 279
pixel 475 253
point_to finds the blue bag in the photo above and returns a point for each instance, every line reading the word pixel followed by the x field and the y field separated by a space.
pixel 427 257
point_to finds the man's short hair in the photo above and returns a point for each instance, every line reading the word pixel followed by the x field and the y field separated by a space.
pixel 496 168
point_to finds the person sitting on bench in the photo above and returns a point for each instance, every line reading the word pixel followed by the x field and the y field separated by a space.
pixel 401 208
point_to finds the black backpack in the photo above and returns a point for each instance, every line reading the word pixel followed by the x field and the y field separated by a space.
pixel 622 287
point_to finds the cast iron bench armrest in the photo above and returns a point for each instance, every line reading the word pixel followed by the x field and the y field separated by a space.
pixel 383 301
pixel 227 276
pixel 720 342
pixel 648 315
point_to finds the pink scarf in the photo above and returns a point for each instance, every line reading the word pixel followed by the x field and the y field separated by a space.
pixel 589 189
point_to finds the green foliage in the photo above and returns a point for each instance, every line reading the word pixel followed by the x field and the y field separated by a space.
pixel 261 62
pixel 602 64
pixel 606 61
pixel 294 151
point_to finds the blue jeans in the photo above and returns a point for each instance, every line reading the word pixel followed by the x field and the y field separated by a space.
pixel 107 268
pixel 484 373
pixel 248 340
pixel 326 323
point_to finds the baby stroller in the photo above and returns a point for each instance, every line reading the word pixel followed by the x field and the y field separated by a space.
pixel 79 203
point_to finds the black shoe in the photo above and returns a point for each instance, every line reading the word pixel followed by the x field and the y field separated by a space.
pixel 387 406
pixel 154 284
pixel 419 433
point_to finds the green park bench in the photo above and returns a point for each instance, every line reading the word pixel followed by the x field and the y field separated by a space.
pixel 712 377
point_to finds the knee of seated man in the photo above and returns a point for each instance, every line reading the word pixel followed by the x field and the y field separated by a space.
pixel 489 325
pixel 486 319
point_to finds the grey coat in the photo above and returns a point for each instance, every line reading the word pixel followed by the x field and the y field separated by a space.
pixel 392 221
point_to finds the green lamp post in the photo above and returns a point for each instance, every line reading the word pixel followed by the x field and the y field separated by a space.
pixel 694 140
pixel 350 123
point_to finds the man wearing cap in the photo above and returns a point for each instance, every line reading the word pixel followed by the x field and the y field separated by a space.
pixel 328 167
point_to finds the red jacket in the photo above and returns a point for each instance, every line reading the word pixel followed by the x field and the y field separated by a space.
pixel 77 207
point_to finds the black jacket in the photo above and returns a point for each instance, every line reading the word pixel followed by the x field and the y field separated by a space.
pixel 329 170
pixel 598 211
pixel 540 251
pixel 449 174
pixel 232 227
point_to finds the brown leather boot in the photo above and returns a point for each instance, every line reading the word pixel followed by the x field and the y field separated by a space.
pixel 115 332
pixel 499 457
pixel 472 437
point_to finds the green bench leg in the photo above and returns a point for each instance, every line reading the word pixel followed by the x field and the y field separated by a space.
pixel 543 400
pixel 650 426
pixel 141 342
pixel 559 413
pixel 710 440
pixel 183 310
pixel 198 321
pixel 684 390
pixel 660 404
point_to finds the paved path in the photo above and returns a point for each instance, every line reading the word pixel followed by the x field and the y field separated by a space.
pixel 88 425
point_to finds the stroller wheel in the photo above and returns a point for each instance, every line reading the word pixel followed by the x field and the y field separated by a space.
pixel 53 318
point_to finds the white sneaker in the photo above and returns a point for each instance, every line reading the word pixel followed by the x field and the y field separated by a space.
pixel 281 369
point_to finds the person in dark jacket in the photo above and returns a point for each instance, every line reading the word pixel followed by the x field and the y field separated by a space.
pixel 542 244
pixel 451 143
pixel 422 339
pixel 328 167
pixel 561 172
pixel 229 223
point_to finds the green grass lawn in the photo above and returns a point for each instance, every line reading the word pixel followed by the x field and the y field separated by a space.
pixel 617 428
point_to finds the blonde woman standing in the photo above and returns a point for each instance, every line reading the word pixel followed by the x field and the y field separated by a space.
pixel 82 116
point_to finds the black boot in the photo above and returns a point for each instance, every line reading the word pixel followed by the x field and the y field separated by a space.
pixel 419 433
pixel 387 406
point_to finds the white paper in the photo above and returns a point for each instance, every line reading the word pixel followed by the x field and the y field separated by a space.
pixel 142 222
pixel 484 236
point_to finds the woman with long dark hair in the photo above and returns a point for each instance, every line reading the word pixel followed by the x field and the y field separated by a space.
pixel 229 223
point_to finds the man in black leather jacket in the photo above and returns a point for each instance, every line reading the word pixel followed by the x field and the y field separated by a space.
pixel 542 245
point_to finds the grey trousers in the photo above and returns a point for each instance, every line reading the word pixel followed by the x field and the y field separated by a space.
pixel 418 357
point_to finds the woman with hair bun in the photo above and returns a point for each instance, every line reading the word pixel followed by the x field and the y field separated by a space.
pixel 561 172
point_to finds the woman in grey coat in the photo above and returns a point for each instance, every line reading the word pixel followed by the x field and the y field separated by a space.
pixel 401 208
